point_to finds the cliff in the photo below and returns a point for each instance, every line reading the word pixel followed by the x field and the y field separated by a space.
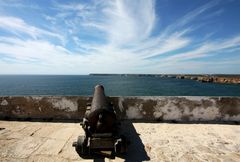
pixel 212 79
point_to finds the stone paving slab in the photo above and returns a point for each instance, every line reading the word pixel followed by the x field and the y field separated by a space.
pixel 41 141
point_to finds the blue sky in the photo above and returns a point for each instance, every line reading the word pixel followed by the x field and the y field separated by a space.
pixel 119 36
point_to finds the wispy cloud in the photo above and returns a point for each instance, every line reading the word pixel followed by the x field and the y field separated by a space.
pixel 18 26
pixel 196 12
pixel 17 4
pixel 207 49
pixel 110 36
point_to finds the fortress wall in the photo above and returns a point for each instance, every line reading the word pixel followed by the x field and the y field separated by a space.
pixel 149 108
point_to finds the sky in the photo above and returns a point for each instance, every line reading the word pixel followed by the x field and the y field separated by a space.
pixel 119 36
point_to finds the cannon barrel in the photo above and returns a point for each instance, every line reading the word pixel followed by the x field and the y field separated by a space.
pixel 101 116
pixel 99 99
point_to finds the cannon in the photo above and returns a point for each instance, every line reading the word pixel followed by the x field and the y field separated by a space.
pixel 102 136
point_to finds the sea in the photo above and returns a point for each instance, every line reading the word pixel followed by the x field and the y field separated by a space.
pixel 83 85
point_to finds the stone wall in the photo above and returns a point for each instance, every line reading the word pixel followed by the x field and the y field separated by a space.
pixel 182 109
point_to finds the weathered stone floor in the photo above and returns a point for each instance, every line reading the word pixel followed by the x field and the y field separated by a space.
pixel 39 141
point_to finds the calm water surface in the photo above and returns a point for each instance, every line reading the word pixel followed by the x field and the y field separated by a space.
pixel 17 85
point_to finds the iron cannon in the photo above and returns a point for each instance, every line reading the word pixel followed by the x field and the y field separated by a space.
pixel 101 127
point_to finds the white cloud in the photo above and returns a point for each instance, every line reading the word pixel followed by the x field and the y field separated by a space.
pixel 109 36
pixel 207 49
pixel 197 12
pixel 226 66
pixel 58 59
pixel 166 44
pixel 18 26
pixel 127 23
pixel 17 4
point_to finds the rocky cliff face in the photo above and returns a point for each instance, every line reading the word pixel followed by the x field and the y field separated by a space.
pixel 212 79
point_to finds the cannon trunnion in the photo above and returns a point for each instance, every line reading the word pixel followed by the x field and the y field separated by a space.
pixel 102 136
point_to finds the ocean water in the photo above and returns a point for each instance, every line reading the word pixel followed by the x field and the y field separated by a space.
pixel 18 85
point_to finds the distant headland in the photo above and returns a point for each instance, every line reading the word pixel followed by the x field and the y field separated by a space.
pixel 205 78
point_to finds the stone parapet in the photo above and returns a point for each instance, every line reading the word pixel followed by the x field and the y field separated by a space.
pixel 147 108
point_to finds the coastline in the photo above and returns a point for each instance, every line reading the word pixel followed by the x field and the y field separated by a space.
pixel 205 78
pixel 223 79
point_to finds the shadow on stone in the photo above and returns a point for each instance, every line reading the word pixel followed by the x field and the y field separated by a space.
pixel 2 129
pixel 136 150
pixel 98 160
